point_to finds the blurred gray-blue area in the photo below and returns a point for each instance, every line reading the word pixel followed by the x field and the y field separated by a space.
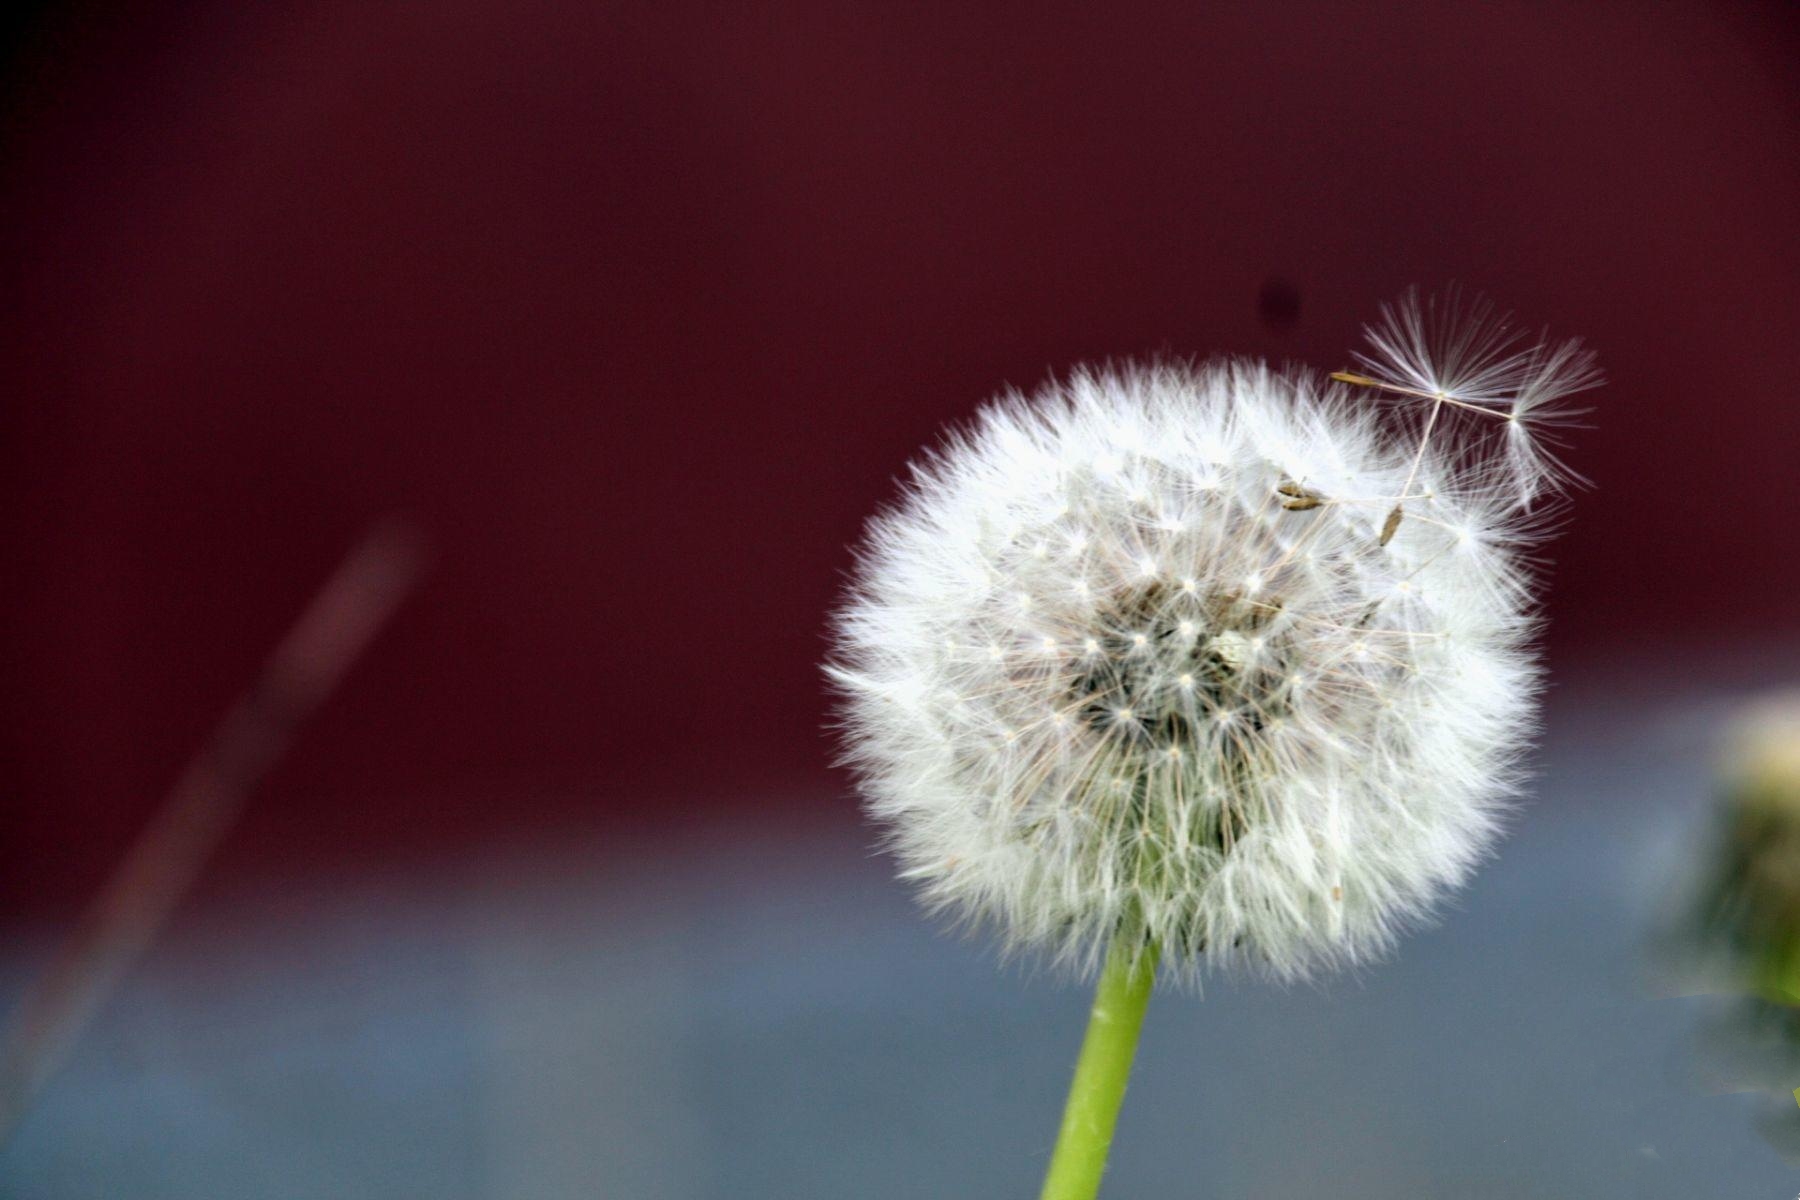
pixel 761 1013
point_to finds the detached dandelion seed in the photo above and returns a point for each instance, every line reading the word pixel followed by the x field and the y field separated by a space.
pixel 1294 681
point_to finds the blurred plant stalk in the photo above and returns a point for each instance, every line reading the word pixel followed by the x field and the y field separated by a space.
pixel 162 865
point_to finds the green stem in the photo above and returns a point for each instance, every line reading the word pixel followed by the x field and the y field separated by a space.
pixel 1101 1072
pixel 1777 974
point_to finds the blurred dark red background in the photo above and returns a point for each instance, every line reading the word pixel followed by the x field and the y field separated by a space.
pixel 638 309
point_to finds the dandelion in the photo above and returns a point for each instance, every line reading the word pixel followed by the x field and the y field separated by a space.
pixel 1170 666
pixel 1736 924
pixel 1739 926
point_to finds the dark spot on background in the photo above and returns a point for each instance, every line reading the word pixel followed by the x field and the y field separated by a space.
pixel 1278 304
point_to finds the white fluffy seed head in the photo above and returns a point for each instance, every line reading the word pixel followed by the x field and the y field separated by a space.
pixel 1212 657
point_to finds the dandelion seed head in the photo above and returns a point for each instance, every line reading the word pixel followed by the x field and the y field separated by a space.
pixel 1276 738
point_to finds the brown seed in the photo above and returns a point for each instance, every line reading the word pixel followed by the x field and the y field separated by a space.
pixel 1390 525
pixel 1298 499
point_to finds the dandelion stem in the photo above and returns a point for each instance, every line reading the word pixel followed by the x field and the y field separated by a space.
pixel 1101 1072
